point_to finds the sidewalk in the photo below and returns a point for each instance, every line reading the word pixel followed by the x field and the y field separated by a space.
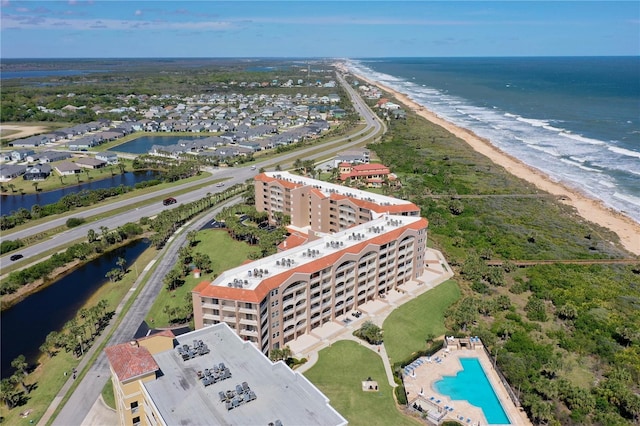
pixel 436 272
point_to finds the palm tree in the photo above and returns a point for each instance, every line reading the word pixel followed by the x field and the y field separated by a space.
pixel 104 230
pixel 8 392
pixel 192 236
pixel 61 180
pixel 91 236
pixel 121 262
pixel 86 171
pixel 35 211
pixel 297 165
pixel 35 186
pixel 121 167
pixel 12 187
pixel 20 364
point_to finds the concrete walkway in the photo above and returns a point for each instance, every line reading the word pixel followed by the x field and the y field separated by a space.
pixel 436 272
pixel 376 311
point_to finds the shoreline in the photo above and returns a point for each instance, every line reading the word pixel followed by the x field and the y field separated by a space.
pixel 627 230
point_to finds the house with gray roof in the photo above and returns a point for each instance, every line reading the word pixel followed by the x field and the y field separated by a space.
pixel 11 171
pixel 107 157
pixel 21 154
pixel 90 163
pixel 48 157
pixel 37 172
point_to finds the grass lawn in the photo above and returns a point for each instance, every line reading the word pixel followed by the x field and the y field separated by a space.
pixel 407 327
pixel 108 396
pixel 225 253
pixel 339 373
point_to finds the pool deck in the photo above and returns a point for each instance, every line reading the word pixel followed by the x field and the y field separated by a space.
pixel 436 272
pixel 419 385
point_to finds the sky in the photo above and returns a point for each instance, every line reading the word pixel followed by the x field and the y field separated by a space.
pixel 335 29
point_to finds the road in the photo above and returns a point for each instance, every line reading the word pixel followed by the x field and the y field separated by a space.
pixel 91 385
pixel 88 390
pixel 232 176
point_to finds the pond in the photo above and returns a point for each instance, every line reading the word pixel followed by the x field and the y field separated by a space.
pixel 143 144
pixel 10 203
pixel 25 326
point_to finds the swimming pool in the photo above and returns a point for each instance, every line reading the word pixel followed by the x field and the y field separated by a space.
pixel 471 385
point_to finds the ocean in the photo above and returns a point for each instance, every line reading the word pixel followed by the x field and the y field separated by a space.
pixel 577 119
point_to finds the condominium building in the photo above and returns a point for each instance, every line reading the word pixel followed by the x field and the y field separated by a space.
pixel 274 300
pixel 210 377
pixel 322 206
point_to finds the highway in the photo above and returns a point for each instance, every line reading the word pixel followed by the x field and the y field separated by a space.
pixel 92 383
pixel 231 176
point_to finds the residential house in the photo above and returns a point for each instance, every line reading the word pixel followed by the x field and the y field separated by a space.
pixel 108 157
pixel 67 168
pixel 21 154
pixel 90 163
pixel 37 172
pixel 48 157
pixel 371 175
pixel 11 171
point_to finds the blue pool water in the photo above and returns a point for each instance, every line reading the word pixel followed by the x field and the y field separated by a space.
pixel 471 385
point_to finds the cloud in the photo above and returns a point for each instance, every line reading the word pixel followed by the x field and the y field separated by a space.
pixel 11 22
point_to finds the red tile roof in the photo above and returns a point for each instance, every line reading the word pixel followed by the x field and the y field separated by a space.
pixel 205 289
pixel 284 183
pixel 391 209
pixel 293 240
pixel 128 360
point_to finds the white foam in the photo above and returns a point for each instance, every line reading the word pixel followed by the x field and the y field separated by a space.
pixel 626 152
pixel 534 122
pixel 607 183
pixel 579 138
pixel 539 143
pixel 628 198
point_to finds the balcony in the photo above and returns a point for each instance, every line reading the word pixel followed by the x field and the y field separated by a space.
pixel 245 321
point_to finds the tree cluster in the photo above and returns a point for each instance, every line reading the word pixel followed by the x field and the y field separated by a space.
pixel 81 251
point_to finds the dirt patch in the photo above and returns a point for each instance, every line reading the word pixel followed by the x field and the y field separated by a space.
pixel 15 131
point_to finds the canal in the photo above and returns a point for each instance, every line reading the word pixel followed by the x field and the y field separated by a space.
pixel 25 326
pixel 11 203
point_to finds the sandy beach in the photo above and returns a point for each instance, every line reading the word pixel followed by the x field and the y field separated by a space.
pixel 592 210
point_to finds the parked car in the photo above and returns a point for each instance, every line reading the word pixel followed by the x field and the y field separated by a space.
pixel 15 257
pixel 169 201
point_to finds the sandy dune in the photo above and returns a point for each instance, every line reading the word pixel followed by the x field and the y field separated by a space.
pixel 592 210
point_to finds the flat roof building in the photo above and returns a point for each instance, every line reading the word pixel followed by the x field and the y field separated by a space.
pixel 274 300
pixel 210 376
pixel 322 206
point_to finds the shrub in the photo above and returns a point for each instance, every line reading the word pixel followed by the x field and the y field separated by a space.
pixel 10 245
pixel 536 310
pixel 401 394
pixel 72 222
